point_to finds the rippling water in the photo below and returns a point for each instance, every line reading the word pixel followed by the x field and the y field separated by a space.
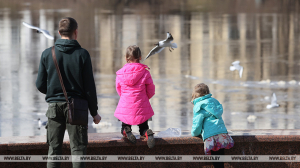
pixel 262 35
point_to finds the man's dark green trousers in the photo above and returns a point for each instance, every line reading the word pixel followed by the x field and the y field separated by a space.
pixel 57 114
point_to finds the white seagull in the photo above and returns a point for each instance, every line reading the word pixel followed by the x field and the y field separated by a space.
pixel 273 102
pixel 38 30
pixel 41 123
pixel 162 44
pixel 236 66
pixel 101 125
pixel 251 118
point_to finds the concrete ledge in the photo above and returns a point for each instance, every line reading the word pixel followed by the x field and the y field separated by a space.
pixel 246 143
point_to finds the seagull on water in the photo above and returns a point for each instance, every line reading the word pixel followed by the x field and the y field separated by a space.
pixel 273 102
pixel 251 118
pixel 101 125
pixel 236 66
pixel 38 30
pixel 292 82
pixel 162 44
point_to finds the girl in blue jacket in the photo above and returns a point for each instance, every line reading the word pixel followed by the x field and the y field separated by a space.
pixel 208 121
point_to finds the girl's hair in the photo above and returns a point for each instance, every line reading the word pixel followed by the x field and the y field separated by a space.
pixel 133 52
pixel 200 90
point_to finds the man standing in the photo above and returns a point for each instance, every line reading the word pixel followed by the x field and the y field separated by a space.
pixel 76 70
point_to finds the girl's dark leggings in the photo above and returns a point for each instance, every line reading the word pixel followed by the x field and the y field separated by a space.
pixel 142 127
pixel 218 164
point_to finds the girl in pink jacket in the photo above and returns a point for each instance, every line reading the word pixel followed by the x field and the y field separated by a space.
pixel 135 86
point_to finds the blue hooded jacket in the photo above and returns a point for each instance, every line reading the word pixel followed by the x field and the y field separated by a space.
pixel 207 119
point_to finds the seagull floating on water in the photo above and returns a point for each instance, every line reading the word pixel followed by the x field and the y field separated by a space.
pixel 190 76
pixel 273 102
pixel 281 83
pixel 38 30
pixel 236 66
pixel 101 125
pixel 265 81
pixel 251 118
pixel 292 82
pixel 162 44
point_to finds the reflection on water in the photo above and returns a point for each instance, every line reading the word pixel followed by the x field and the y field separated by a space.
pixel 209 40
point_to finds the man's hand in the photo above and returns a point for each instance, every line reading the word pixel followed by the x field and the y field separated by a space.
pixel 97 119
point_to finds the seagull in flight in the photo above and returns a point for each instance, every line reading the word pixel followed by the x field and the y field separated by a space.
pixel 38 30
pixel 41 123
pixel 273 102
pixel 162 44
pixel 236 66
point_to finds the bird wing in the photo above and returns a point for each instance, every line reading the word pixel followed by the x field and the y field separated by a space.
pixel 241 71
pixel 274 99
pixel 47 34
pixel 232 68
pixel 236 63
pixel 173 45
pixel 155 50
pixel 30 26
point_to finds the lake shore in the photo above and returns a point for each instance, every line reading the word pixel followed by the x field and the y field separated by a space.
pixel 247 142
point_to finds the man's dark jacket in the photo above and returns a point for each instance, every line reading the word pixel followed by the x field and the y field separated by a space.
pixel 76 70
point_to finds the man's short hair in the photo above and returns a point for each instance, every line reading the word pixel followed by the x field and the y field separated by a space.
pixel 67 26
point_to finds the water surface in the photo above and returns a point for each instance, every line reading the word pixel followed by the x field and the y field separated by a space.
pixel 262 35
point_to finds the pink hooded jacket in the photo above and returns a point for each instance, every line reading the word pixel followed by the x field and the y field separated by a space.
pixel 135 86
